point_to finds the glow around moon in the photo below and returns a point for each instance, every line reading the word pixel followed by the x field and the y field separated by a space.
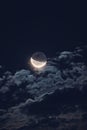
pixel 37 64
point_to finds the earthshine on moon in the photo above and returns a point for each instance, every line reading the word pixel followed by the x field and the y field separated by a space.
pixel 38 60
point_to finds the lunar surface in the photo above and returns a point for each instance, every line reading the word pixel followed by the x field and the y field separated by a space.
pixel 38 60
pixel 56 99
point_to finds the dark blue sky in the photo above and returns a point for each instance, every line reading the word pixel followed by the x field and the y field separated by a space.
pixel 27 27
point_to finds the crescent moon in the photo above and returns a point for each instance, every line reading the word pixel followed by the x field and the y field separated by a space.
pixel 37 64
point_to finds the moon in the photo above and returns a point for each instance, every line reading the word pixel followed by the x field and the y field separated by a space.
pixel 38 60
pixel 37 64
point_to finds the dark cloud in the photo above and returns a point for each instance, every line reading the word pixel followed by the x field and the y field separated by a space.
pixel 63 80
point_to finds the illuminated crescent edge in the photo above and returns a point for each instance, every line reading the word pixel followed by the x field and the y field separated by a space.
pixel 37 64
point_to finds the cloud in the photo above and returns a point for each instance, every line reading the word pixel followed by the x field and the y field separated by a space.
pixel 4 89
pixel 25 90
pixel 22 76
pixel 48 80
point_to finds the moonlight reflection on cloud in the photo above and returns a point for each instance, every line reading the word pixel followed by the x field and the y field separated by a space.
pixel 38 60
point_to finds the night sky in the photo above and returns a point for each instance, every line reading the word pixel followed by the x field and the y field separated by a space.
pixel 54 97
pixel 48 27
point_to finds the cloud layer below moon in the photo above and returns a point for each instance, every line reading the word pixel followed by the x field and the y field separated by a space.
pixel 23 93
